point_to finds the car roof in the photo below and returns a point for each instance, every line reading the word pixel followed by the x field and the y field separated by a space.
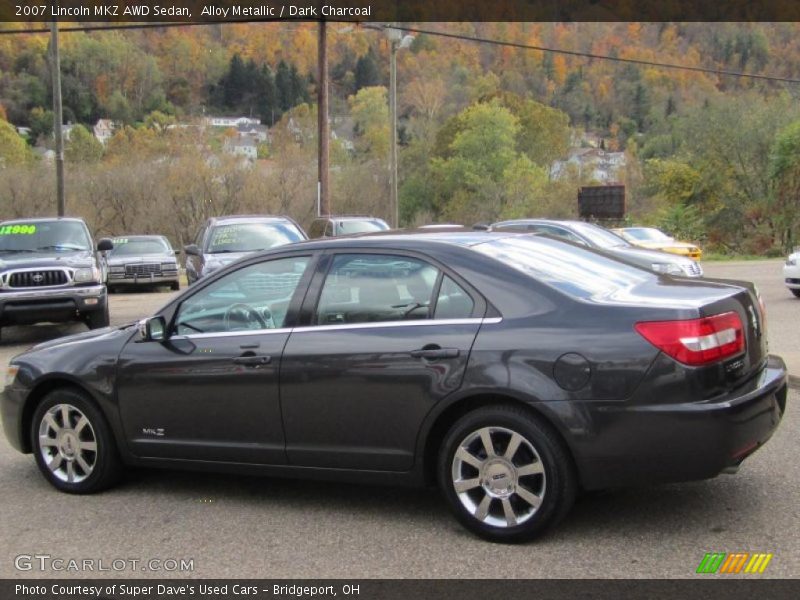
pixel 395 239
pixel 45 220
pixel 139 236
pixel 348 218
pixel 249 218
pixel 565 222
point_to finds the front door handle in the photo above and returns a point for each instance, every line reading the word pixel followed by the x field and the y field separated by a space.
pixel 434 353
pixel 252 360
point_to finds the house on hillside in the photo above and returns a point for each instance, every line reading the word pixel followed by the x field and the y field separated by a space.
pixel 592 164
pixel 234 122
pixel 103 130
pixel 257 132
pixel 246 147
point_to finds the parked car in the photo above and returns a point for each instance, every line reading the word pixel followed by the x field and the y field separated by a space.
pixel 791 273
pixel 602 239
pixel 510 369
pixel 50 271
pixel 223 240
pixel 655 239
pixel 336 225
pixel 142 260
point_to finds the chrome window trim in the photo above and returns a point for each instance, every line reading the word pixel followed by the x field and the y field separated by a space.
pixel 346 326
pixel 382 324
pixel 218 334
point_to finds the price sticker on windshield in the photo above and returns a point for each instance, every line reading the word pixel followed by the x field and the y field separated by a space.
pixel 17 229
pixel 118 241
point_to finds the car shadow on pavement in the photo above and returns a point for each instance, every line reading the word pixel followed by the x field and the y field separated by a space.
pixel 648 512
pixel 400 503
pixel 36 334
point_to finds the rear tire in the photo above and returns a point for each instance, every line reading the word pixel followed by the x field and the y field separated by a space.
pixel 175 286
pixel 73 444
pixel 99 318
pixel 514 490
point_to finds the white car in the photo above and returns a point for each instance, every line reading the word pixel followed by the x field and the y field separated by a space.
pixel 791 273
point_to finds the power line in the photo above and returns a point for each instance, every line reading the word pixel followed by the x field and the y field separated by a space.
pixel 589 55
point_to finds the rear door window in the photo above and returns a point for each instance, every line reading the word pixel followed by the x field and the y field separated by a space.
pixel 369 288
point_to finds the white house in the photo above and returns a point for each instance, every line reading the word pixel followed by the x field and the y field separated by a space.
pixel 231 121
pixel 592 164
pixel 104 130
pixel 246 147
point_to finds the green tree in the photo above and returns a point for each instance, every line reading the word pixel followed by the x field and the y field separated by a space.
pixel 41 123
pixel 371 116
pixel 784 172
pixel 82 146
pixel 473 179
pixel 366 73
pixel 13 149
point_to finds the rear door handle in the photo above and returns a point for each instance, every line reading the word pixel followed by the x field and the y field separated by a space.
pixel 434 353
pixel 252 361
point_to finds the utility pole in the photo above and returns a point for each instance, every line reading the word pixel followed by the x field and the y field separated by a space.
pixel 323 191
pixel 393 44
pixel 57 116
pixel 397 41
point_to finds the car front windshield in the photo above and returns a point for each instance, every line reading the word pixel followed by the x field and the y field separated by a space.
pixel 44 236
pixel 366 226
pixel 647 234
pixel 139 247
pixel 251 237
pixel 597 236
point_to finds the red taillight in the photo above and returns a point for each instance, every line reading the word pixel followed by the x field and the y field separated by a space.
pixel 696 341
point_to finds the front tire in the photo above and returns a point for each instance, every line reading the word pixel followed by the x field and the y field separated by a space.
pixel 796 293
pixel 73 444
pixel 175 286
pixel 99 318
pixel 506 475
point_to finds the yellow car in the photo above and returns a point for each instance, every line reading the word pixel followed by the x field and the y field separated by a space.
pixel 655 239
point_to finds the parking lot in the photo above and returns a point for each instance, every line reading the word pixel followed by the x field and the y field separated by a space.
pixel 262 527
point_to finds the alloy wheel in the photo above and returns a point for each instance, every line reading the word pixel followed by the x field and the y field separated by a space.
pixel 67 443
pixel 498 476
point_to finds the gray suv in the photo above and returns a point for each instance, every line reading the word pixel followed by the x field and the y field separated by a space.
pixel 51 271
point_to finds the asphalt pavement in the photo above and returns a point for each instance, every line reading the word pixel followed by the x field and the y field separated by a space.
pixel 232 526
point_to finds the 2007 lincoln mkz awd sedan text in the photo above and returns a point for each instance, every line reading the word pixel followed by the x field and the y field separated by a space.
pixel 511 370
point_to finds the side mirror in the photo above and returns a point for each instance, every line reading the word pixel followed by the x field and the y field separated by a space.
pixel 480 227
pixel 104 245
pixel 192 249
pixel 177 252
pixel 153 329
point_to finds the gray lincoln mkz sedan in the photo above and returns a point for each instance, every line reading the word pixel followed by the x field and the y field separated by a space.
pixel 510 370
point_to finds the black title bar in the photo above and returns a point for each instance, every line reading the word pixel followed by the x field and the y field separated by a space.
pixel 201 11
pixel 706 587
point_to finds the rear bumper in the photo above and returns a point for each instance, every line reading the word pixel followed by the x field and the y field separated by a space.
pixel 62 304
pixel 682 442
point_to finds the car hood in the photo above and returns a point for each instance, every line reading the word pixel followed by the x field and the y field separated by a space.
pixel 35 260
pixel 121 332
pixel 144 258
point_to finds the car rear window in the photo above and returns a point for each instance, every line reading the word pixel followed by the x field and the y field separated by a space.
pixel 574 270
